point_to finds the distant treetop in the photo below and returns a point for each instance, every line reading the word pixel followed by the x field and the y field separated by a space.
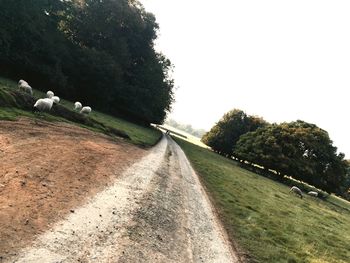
pixel 186 127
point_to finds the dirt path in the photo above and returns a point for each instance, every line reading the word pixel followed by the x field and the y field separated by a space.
pixel 156 211
pixel 47 170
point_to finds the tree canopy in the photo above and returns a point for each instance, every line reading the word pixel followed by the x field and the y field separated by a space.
pixel 298 149
pixel 223 135
pixel 99 52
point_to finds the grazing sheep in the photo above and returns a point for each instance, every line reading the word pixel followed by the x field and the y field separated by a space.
pixel 86 110
pixel 43 104
pixel 24 86
pixel 77 105
pixel 55 99
pixel 50 94
pixel 297 191
pixel 313 193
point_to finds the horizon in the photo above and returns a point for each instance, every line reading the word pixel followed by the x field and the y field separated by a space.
pixel 280 61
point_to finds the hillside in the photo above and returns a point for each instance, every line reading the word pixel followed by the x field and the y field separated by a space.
pixel 53 162
pixel 266 222
pixel 14 104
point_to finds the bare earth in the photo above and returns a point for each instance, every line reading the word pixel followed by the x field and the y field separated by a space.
pixel 85 206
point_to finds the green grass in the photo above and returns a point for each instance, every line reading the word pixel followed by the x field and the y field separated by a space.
pixel 12 114
pixel 140 135
pixel 269 223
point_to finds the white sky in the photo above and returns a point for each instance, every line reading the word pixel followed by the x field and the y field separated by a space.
pixel 281 60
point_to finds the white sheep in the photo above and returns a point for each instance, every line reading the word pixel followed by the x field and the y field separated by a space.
pixel 77 105
pixel 24 86
pixel 313 193
pixel 86 110
pixel 297 191
pixel 21 81
pixel 50 94
pixel 56 99
pixel 43 104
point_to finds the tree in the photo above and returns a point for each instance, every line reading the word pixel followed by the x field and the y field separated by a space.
pixel 223 135
pixel 99 52
pixel 31 45
pixel 298 149
pixel 143 88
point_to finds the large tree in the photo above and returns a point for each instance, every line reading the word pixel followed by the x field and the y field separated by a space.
pixel 99 52
pixel 298 149
pixel 223 135
pixel 142 87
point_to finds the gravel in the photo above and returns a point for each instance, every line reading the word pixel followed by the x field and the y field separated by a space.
pixel 157 211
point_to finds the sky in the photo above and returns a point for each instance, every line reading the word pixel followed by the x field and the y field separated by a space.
pixel 280 60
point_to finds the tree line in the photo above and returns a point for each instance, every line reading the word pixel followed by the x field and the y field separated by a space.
pixel 98 52
pixel 297 149
pixel 186 127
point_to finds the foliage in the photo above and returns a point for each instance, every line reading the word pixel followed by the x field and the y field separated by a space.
pixel 298 149
pixel 186 127
pixel 224 135
pixel 97 52
pixel 256 210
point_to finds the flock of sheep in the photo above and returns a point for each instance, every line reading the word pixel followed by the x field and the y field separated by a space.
pixel 297 190
pixel 45 104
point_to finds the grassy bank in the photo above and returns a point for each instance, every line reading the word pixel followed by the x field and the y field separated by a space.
pixel 269 223
pixel 11 109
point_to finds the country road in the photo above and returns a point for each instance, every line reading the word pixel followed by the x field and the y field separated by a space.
pixel 157 211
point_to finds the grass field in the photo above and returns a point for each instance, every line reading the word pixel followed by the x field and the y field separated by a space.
pixel 269 223
pixel 139 135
